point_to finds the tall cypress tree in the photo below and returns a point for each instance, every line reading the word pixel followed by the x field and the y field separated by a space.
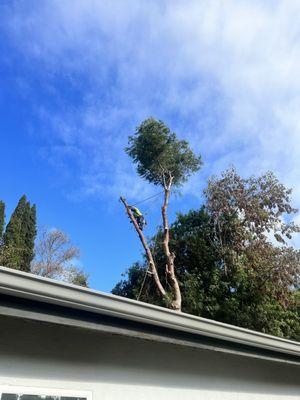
pixel 30 233
pixel 19 236
pixel 2 219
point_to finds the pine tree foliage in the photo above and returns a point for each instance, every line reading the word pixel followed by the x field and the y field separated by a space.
pixel 19 236
pixel 159 155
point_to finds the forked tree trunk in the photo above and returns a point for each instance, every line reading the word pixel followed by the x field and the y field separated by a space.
pixel 148 252
pixel 170 267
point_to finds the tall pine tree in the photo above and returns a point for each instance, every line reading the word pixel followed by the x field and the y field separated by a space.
pixel 19 236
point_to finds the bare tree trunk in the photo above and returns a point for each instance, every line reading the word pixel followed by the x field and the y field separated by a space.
pixel 170 267
pixel 148 252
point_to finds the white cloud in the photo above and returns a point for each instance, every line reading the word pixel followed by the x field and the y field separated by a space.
pixel 225 75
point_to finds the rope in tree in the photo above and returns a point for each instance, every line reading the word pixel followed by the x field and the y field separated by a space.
pixel 143 284
pixel 147 270
pixel 148 198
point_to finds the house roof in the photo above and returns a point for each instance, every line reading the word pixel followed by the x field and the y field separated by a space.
pixel 24 295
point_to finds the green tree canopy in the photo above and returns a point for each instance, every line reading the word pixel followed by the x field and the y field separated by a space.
pixel 159 155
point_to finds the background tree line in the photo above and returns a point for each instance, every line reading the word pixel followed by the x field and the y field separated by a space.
pixel 233 257
pixel 51 254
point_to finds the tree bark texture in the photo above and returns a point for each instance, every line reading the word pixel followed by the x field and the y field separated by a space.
pixel 170 267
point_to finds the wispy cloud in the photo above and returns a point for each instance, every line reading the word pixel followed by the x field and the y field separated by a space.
pixel 224 75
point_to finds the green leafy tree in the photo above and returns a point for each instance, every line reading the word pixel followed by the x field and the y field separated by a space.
pixel 19 236
pixel 164 161
pixel 247 214
pixel 132 284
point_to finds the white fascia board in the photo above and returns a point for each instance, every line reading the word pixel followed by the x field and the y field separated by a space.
pixel 32 287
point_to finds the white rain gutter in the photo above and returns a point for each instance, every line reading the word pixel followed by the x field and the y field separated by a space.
pixel 27 286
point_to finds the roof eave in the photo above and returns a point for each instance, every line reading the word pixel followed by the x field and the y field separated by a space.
pixel 21 285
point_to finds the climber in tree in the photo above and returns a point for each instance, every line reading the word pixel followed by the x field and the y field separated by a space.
pixel 140 219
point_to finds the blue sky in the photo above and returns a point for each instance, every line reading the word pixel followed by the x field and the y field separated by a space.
pixel 77 77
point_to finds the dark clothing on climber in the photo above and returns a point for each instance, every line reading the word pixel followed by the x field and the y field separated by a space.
pixel 138 216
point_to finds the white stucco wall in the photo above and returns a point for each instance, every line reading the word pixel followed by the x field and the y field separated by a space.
pixel 119 368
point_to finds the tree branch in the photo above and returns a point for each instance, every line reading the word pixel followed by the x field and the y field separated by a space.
pixel 148 252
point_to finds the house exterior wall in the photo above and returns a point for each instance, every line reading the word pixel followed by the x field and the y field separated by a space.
pixel 115 367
